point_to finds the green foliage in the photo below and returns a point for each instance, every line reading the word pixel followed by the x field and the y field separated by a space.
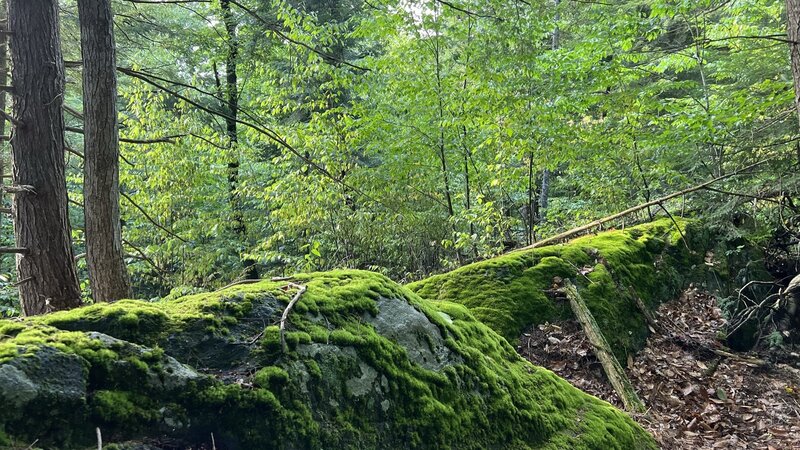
pixel 412 137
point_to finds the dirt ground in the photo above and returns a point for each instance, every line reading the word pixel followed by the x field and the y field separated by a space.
pixel 698 395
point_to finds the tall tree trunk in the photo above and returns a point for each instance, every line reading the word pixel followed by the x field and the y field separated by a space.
pixel 793 31
pixel 544 192
pixel 3 104
pixel 41 222
pixel 441 143
pixel 238 227
pixel 232 103
pixel 108 275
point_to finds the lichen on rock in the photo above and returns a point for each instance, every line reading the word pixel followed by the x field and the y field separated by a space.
pixel 369 364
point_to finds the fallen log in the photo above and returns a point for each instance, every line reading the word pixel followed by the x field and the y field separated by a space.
pixel 571 233
pixel 614 372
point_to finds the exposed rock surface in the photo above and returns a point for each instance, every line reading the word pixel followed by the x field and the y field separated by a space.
pixel 368 365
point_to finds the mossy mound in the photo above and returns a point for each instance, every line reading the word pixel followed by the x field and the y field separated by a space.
pixel 653 261
pixel 367 364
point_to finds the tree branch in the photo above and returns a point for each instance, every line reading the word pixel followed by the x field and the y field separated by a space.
pixel 153 221
pixel 159 140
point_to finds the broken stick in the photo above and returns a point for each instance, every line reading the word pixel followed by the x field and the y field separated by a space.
pixel 286 312
pixel 619 381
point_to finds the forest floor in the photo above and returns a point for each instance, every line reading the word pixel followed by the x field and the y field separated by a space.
pixel 697 398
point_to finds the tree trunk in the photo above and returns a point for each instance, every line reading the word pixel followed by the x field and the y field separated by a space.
pixel 232 100
pixel 544 192
pixel 3 104
pixel 793 32
pixel 41 221
pixel 108 275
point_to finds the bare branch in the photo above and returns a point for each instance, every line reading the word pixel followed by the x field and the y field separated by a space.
pixel 159 140
pixel 153 221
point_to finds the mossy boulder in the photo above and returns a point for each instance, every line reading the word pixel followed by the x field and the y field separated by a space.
pixel 653 261
pixel 367 364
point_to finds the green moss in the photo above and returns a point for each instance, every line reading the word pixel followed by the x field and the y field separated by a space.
pixel 122 407
pixel 508 293
pixel 340 383
pixel 271 376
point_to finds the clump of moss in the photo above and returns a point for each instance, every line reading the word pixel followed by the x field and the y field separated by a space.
pixel 508 293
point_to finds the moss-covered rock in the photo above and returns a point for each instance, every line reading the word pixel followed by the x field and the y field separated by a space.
pixel 368 365
pixel 653 261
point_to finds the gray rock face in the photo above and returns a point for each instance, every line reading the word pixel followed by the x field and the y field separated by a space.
pixel 172 374
pixel 422 340
pixel 15 387
pixel 47 375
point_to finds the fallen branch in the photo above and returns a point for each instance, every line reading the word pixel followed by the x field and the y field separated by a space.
pixel 613 370
pixel 656 202
pixel 288 309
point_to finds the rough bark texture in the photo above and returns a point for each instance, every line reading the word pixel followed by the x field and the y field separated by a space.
pixel 41 223
pixel 3 105
pixel 108 275
pixel 793 32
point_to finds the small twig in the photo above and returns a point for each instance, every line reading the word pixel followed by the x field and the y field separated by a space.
pixel 21 282
pixel 32 444
pixel 213 442
pixel 674 222
pixel 99 439
pixel 19 189
pixel 13 250
pixel 9 118
pixel 237 283
pixel 288 309
pixel 142 255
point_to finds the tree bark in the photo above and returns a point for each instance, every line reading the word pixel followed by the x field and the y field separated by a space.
pixel 793 32
pixel 108 275
pixel 3 104
pixel 232 100
pixel 41 220
pixel 544 191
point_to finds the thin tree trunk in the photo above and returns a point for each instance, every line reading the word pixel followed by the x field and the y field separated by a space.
pixel 531 203
pixel 232 100
pixel 793 31
pixel 239 227
pixel 442 149
pixel 108 275
pixel 41 221
pixel 464 140
pixel 544 192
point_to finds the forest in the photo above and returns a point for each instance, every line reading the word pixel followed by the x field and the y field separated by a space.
pixel 251 224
